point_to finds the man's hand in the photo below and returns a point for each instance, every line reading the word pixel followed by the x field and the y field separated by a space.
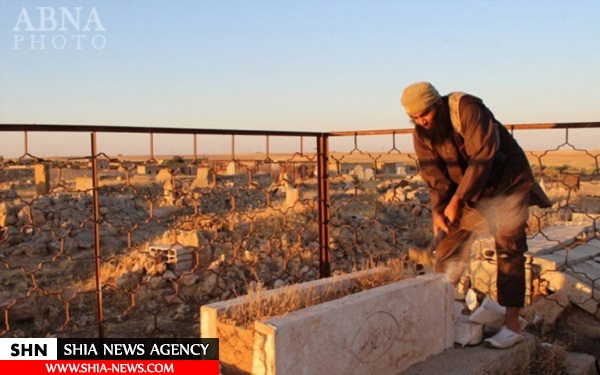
pixel 452 211
pixel 439 222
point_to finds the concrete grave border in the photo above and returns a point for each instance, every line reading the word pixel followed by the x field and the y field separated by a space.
pixel 383 330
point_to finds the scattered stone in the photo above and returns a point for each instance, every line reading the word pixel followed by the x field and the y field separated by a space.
pixel 12 192
pixel 128 281
pixel 190 279
pixel 279 283
pixel 157 283
pixel 545 312
pixel 7 214
pixel 174 299
pixel 35 249
pixel 209 284
pixel 19 311
pixel 182 313
pixel 165 212
pixel 250 257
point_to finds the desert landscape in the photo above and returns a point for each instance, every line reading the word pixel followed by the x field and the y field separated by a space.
pixel 176 233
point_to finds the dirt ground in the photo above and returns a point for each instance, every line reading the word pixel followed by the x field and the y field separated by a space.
pixel 578 330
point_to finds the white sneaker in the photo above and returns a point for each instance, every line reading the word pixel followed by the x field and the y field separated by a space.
pixel 504 339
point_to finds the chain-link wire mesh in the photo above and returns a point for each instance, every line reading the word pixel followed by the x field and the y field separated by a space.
pixel 113 245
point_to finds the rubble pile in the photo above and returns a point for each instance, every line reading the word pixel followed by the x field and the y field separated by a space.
pixel 234 233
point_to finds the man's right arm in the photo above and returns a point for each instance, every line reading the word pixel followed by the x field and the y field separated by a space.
pixel 439 185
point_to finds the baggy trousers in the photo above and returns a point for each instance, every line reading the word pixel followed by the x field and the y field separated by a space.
pixel 506 220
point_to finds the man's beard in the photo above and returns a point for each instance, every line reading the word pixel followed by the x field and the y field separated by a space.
pixel 440 129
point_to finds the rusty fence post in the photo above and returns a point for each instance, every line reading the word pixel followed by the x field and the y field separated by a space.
pixel 96 208
pixel 323 198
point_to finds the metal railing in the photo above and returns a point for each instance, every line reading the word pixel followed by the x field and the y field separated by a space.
pixel 74 240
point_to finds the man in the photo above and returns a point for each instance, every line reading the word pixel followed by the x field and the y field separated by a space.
pixel 475 169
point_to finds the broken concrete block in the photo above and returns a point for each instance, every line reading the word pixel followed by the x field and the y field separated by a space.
pixel 590 188
pixel 490 314
pixel 181 266
pixel 193 238
pixel 173 258
pixel 467 332
pixel 165 212
pixel 595 242
pixel 156 250
pixel 578 254
pixel 462 288
pixel 579 293
pixel 178 250
pixel 547 311
pixel 554 238
pixel 178 258
pixel 547 262
pixel 586 272
pixel 473 298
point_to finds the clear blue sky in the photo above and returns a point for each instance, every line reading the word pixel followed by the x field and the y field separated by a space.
pixel 290 65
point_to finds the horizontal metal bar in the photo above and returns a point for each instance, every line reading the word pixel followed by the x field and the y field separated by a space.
pixel 371 132
pixel 563 125
pixel 145 130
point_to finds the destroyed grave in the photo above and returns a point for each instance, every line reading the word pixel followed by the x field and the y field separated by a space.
pixel 376 330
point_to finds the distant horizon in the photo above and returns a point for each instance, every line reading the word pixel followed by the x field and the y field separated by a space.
pixel 280 156
pixel 213 143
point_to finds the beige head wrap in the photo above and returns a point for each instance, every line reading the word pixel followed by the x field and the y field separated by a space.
pixel 418 97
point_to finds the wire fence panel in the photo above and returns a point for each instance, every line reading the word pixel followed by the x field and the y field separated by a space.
pixel 115 244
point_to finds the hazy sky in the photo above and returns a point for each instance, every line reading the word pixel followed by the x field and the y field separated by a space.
pixel 291 65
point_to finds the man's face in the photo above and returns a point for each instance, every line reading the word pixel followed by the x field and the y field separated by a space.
pixel 426 118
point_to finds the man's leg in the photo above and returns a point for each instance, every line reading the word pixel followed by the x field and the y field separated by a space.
pixel 511 294
pixel 453 254
pixel 511 319
pixel 507 222
pixel 511 276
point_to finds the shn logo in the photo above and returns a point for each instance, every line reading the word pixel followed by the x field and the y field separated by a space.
pixel 24 350
pixel 58 28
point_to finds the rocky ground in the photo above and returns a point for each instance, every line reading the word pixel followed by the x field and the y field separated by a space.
pixel 242 235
